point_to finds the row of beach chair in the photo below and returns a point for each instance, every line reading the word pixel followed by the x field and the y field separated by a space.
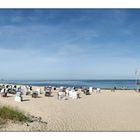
pixel 63 93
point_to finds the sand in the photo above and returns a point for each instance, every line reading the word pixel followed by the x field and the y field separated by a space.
pixel 105 111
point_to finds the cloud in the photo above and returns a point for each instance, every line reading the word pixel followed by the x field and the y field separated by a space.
pixel 60 42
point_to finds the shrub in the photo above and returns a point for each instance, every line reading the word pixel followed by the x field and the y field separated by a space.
pixel 10 113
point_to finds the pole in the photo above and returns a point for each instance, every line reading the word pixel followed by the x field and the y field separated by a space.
pixel 136 79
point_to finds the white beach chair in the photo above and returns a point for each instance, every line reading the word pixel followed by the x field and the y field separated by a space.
pixel 4 92
pixel 28 92
pixel 90 90
pixel 48 91
pixel 18 97
pixel 35 93
pixel 61 95
pixel 98 90
pixel 67 91
pixel 61 87
pixel 38 90
pixel 73 94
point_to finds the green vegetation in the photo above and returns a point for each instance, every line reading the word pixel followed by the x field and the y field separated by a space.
pixel 10 113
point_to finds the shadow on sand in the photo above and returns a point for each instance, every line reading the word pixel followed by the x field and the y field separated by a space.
pixel 24 100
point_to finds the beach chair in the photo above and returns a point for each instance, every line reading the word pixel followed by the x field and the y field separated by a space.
pixel 90 90
pixel 11 90
pixel 38 90
pixel 113 89
pixel 73 94
pixel 28 91
pixel 18 97
pixel 61 95
pixel 87 92
pixel 48 92
pixel 35 94
pixel 67 91
pixel 61 87
pixel 3 92
pixel 98 90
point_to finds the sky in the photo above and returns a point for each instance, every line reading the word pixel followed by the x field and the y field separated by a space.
pixel 69 44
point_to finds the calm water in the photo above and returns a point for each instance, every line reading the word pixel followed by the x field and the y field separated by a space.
pixel 130 84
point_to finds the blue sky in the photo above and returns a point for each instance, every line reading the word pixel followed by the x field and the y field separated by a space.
pixel 69 44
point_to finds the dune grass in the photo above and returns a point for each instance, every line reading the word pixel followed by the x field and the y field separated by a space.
pixel 13 114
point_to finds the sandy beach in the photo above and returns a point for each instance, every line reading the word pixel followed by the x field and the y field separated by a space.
pixel 105 111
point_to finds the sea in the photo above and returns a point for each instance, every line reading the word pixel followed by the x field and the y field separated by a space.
pixel 105 84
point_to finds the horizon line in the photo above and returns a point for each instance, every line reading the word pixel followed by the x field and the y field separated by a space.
pixel 58 79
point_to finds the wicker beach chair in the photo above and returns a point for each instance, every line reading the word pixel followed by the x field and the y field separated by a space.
pixel 3 92
pixel 87 92
pixel 35 94
pixel 48 92
pixel 61 95
pixel 73 94
pixel 18 97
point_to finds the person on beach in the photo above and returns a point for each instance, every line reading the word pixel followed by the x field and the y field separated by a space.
pixel 30 88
